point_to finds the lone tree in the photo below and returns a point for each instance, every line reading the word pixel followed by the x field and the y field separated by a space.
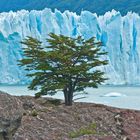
pixel 66 64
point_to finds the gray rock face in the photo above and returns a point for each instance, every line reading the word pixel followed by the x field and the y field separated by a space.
pixel 10 115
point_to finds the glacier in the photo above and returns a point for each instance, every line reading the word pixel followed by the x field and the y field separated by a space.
pixel 119 34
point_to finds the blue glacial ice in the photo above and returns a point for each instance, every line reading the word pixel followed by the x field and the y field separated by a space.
pixel 120 36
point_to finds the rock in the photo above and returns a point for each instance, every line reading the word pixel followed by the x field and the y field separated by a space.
pixel 10 115
pixel 28 105
pixel 42 120
pixel 91 137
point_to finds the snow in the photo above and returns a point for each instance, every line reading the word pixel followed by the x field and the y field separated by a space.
pixel 120 36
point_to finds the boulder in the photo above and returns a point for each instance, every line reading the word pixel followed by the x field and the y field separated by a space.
pixel 11 111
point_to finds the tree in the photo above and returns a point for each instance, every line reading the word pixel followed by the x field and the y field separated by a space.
pixel 66 64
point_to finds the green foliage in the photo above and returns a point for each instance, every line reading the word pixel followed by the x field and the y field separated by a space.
pixel 34 113
pixel 55 102
pixel 91 129
pixel 66 64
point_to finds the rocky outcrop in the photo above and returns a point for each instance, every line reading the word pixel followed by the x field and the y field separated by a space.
pixel 11 111
pixel 27 118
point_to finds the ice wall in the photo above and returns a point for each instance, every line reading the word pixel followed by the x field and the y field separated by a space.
pixel 120 35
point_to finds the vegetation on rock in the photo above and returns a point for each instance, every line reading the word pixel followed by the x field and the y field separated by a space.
pixel 91 129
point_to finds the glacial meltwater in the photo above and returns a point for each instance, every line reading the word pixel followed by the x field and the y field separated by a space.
pixel 116 96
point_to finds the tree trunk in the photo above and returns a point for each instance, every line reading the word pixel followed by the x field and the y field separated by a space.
pixel 68 98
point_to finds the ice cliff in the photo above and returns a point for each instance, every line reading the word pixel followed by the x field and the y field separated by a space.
pixel 120 35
